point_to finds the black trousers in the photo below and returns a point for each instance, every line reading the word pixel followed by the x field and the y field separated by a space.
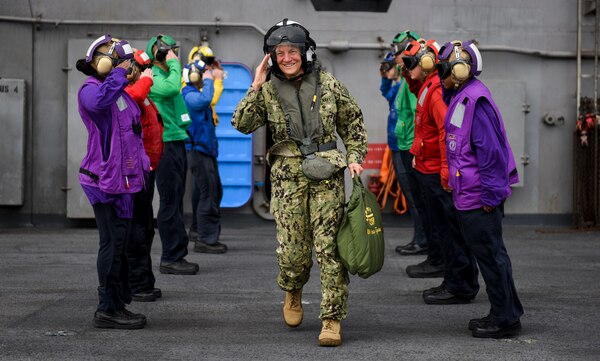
pixel 141 236
pixel 113 292
pixel 170 182
pixel 483 234
pixel 461 273
pixel 431 228
pixel 414 203
pixel 207 193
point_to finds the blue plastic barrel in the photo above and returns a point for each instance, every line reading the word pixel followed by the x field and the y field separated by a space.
pixel 235 148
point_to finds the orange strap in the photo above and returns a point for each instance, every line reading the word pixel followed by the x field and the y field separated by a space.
pixel 386 162
pixel 391 187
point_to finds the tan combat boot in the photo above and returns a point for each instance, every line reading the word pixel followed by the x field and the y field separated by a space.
pixel 331 333
pixel 292 308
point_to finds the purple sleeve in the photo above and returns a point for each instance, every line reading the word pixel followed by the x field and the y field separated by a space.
pixel 99 98
pixel 491 152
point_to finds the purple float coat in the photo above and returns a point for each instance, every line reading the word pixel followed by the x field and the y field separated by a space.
pixel 115 162
pixel 480 161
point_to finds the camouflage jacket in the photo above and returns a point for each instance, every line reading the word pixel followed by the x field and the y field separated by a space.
pixel 339 112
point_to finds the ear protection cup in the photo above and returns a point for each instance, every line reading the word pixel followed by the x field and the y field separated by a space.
pixel 310 54
pixel 104 65
pixel 194 75
pixel 427 62
pixel 423 53
pixel 461 71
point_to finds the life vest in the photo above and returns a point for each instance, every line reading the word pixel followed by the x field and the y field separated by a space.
pixel 301 107
pixel 464 178
pixel 303 122
pixel 122 170
pixel 426 145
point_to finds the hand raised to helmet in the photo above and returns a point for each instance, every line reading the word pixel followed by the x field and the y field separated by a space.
pixel 125 64
pixel 215 65
pixel 207 74
pixel 217 73
pixel 147 73
pixel 171 55
pixel 260 74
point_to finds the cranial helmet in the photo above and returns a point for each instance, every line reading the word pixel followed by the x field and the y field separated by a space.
pixel 192 73
pixel 142 59
pixel 292 33
pixel 108 52
pixel 163 43
pixel 401 40
pixel 194 54
pixel 207 55
pixel 459 59
pixel 423 53
pixel 203 53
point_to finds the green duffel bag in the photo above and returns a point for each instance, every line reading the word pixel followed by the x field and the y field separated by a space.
pixel 360 237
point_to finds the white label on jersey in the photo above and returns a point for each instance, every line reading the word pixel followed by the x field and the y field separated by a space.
pixel 423 95
pixel 185 118
pixel 186 75
pixel 121 104
pixel 146 102
pixel 458 115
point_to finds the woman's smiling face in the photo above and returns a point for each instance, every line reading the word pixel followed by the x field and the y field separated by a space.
pixel 289 60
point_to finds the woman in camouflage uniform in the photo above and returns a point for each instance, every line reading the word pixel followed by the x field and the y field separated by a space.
pixel 304 107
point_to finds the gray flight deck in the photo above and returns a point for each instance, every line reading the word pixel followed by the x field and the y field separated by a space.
pixel 231 310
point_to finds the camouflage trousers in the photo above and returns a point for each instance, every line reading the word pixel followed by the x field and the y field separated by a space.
pixel 307 215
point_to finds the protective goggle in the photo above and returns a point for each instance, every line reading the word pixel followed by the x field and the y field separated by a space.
pixel 209 60
pixel 386 66
pixel 444 69
pixel 287 34
pixel 410 62
pixel 401 39
pixel 397 48
pixel 162 46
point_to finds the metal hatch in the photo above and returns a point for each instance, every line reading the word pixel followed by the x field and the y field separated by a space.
pixel 235 148
pixel 12 141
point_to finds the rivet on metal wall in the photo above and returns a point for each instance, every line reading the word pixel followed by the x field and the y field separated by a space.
pixel 552 120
